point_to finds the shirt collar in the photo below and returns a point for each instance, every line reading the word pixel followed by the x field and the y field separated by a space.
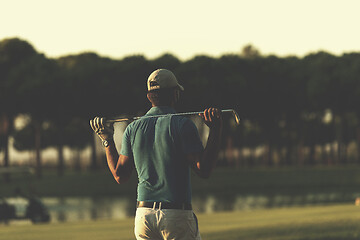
pixel 158 110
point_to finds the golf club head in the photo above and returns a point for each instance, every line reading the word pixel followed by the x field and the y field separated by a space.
pixel 236 116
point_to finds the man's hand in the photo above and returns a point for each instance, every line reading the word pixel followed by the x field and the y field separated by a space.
pixel 104 130
pixel 212 117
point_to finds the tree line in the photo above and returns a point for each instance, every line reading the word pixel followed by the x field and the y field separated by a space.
pixel 293 110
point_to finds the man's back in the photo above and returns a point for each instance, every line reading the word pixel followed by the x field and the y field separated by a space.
pixel 159 146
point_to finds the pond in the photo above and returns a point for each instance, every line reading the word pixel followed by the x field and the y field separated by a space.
pixel 69 209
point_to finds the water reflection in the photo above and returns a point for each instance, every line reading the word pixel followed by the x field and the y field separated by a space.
pixel 86 208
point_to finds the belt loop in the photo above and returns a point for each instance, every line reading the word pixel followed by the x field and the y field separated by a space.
pixel 160 205
pixel 154 205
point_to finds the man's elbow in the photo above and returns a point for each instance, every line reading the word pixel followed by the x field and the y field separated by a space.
pixel 202 170
pixel 121 179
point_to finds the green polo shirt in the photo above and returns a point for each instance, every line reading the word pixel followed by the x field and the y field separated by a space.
pixel 158 146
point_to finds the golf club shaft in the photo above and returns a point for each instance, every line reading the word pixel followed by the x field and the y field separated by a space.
pixel 113 120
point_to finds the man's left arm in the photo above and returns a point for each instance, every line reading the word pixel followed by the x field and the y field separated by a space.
pixel 201 160
pixel 120 166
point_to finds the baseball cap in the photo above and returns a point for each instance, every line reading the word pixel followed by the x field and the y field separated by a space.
pixel 162 78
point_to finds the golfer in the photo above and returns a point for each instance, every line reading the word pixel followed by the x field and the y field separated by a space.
pixel 163 150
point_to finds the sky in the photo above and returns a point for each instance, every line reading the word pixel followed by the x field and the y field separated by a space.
pixel 186 28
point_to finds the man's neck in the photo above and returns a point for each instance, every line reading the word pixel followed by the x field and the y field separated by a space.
pixel 172 105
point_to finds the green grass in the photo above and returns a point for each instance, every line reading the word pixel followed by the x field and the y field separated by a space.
pixel 340 222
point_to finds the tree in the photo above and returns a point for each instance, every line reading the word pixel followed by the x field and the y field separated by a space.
pixel 33 92
pixel 77 137
pixel 250 52
pixel 96 86
pixel 328 89
pixel 13 53
pixel 166 61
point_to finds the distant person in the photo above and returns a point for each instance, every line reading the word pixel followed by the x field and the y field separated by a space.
pixel 163 150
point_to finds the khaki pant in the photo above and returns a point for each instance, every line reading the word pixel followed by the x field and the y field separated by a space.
pixel 166 224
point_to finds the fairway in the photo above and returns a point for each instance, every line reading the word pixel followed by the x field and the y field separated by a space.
pixel 300 223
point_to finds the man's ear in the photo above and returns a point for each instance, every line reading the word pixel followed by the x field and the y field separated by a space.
pixel 148 97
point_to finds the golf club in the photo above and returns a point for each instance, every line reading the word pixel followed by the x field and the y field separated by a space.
pixel 113 120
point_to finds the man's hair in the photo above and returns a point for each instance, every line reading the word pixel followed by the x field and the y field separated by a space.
pixel 162 97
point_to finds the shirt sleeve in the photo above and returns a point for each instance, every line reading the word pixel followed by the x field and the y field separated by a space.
pixel 190 139
pixel 126 149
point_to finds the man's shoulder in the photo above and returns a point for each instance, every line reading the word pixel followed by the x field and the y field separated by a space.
pixel 131 126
